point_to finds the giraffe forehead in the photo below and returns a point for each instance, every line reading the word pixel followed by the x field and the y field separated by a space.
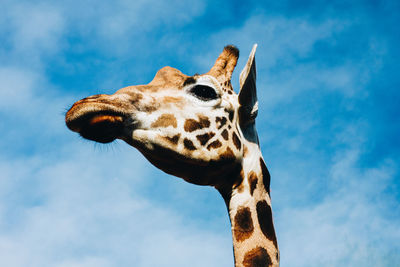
pixel 170 87
pixel 166 80
pixel 169 76
pixel 173 78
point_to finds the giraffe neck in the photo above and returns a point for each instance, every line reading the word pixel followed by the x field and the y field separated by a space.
pixel 249 206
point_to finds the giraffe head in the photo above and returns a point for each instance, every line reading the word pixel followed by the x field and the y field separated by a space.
pixel 189 126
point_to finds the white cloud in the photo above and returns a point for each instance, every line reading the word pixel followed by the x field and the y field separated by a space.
pixel 82 209
pixel 30 33
pixel 37 27
pixel 279 39
pixel 140 16
pixel 85 262
pixel 348 227
pixel 347 219
pixel 16 89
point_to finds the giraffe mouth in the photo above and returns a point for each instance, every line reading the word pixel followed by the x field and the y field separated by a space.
pixel 101 126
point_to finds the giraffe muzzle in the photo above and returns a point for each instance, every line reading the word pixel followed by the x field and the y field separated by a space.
pixel 95 122
pixel 102 128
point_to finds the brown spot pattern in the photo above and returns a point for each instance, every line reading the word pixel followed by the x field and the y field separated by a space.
pixel 252 181
pixel 257 257
pixel 245 150
pixel 165 120
pixel 203 138
pixel 265 174
pixel 188 144
pixel 174 139
pixel 228 154
pixel 215 144
pixel 225 134
pixel 236 141
pixel 135 97
pixel 220 121
pixel 230 113
pixel 171 99
pixel 264 215
pixel 239 183
pixel 193 125
pixel 243 224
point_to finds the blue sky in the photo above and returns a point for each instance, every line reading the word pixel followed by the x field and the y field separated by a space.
pixel 328 81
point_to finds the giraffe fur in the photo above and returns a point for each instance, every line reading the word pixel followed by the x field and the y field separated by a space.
pixel 197 128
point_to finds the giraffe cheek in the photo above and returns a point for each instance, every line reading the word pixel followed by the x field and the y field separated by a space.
pixel 171 140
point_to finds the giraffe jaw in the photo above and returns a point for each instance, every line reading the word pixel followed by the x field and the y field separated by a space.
pixel 196 170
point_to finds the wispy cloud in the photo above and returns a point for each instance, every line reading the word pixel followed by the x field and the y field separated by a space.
pixel 71 211
pixel 350 225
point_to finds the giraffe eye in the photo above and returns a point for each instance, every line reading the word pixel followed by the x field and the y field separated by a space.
pixel 204 92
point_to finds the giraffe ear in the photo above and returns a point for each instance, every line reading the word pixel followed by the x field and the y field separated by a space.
pixel 225 64
pixel 248 91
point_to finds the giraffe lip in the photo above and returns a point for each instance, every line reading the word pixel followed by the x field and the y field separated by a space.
pixel 100 126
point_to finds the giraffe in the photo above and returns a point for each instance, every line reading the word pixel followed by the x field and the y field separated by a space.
pixel 197 128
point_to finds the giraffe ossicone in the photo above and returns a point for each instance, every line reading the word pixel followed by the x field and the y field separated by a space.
pixel 197 128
